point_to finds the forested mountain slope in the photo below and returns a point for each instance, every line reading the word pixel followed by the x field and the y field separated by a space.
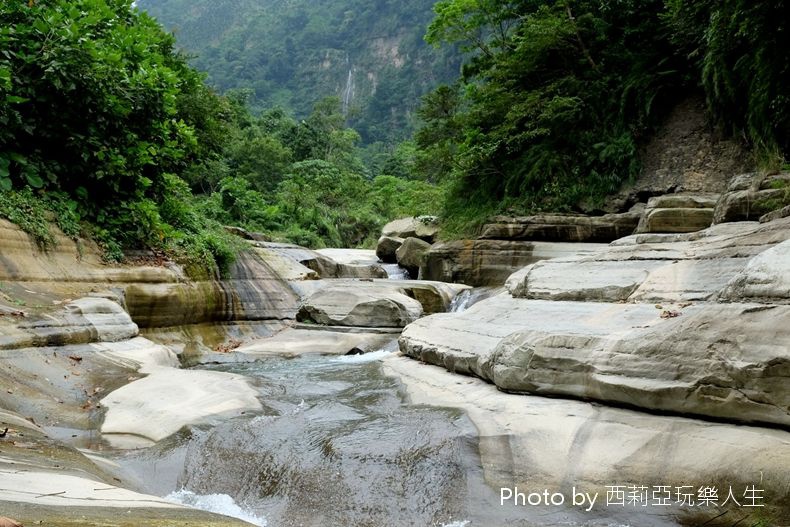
pixel 292 53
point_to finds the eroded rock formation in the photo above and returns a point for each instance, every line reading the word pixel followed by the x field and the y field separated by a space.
pixel 678 323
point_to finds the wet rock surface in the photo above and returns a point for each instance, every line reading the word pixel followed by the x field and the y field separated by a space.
pixel 344 449
pixel 45 482
pixel 254 291
pixel 540 442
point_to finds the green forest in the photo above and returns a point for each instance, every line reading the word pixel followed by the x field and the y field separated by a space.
pixel 292 53
pixel 113 132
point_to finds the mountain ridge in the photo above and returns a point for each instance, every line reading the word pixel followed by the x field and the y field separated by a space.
pixel 292 53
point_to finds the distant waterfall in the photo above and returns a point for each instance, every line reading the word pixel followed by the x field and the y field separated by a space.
pixel 348 92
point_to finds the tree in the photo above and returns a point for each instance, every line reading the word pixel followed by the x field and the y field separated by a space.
pixel 554 98
pixel 94 99
pixel 739 49
pixel 440 134
pixel 100 114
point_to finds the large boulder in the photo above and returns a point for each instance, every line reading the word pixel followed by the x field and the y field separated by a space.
pixel 751 196
pixel 747 205
pixel 323 265
pixel 423 227
pixel 386 248
pixel 328 268
pixel 491 262
pixel 678 213
pixel 82 321
pixel 562 227
pixel 778 214
pixel 339 306
pixel 435 297
pixel 411 255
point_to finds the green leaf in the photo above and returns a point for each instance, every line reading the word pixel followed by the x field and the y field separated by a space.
pixel 13 99
pixel 18 158
pixel 5 184
pixel 34 180
pixel 32 177
pixel 41 26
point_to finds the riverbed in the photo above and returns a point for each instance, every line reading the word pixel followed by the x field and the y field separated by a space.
pixel 340 443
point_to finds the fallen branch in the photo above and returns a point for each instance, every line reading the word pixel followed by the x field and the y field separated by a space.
pixel 51 494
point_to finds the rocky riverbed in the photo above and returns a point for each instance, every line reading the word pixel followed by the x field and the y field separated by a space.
pixel 288 394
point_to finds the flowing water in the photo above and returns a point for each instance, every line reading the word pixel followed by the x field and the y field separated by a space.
pixel 395 272
pixel 469 297
pixel 337 445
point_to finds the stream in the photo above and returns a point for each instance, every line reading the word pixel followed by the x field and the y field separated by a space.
pixel 338 445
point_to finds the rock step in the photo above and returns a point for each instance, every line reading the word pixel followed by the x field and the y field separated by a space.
pixel 682 323
pixel 562 227
pixel 82 321
pixel 674 359
pixel 678 213
pixel 749 263
pixel 491 262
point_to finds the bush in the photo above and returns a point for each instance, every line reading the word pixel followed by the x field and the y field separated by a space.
pixel 29 214
pixel 553 101
pixel 99 114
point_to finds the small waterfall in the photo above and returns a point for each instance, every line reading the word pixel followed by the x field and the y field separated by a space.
pixel 469 297
pixel 217 503
pixel 395 272
pixel 461 301
pixel 348 92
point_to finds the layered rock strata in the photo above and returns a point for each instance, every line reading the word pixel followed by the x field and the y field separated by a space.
pixel 751 196
pixel 575 228
pixel 673 323
pixel 678 213
pixel 491 262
